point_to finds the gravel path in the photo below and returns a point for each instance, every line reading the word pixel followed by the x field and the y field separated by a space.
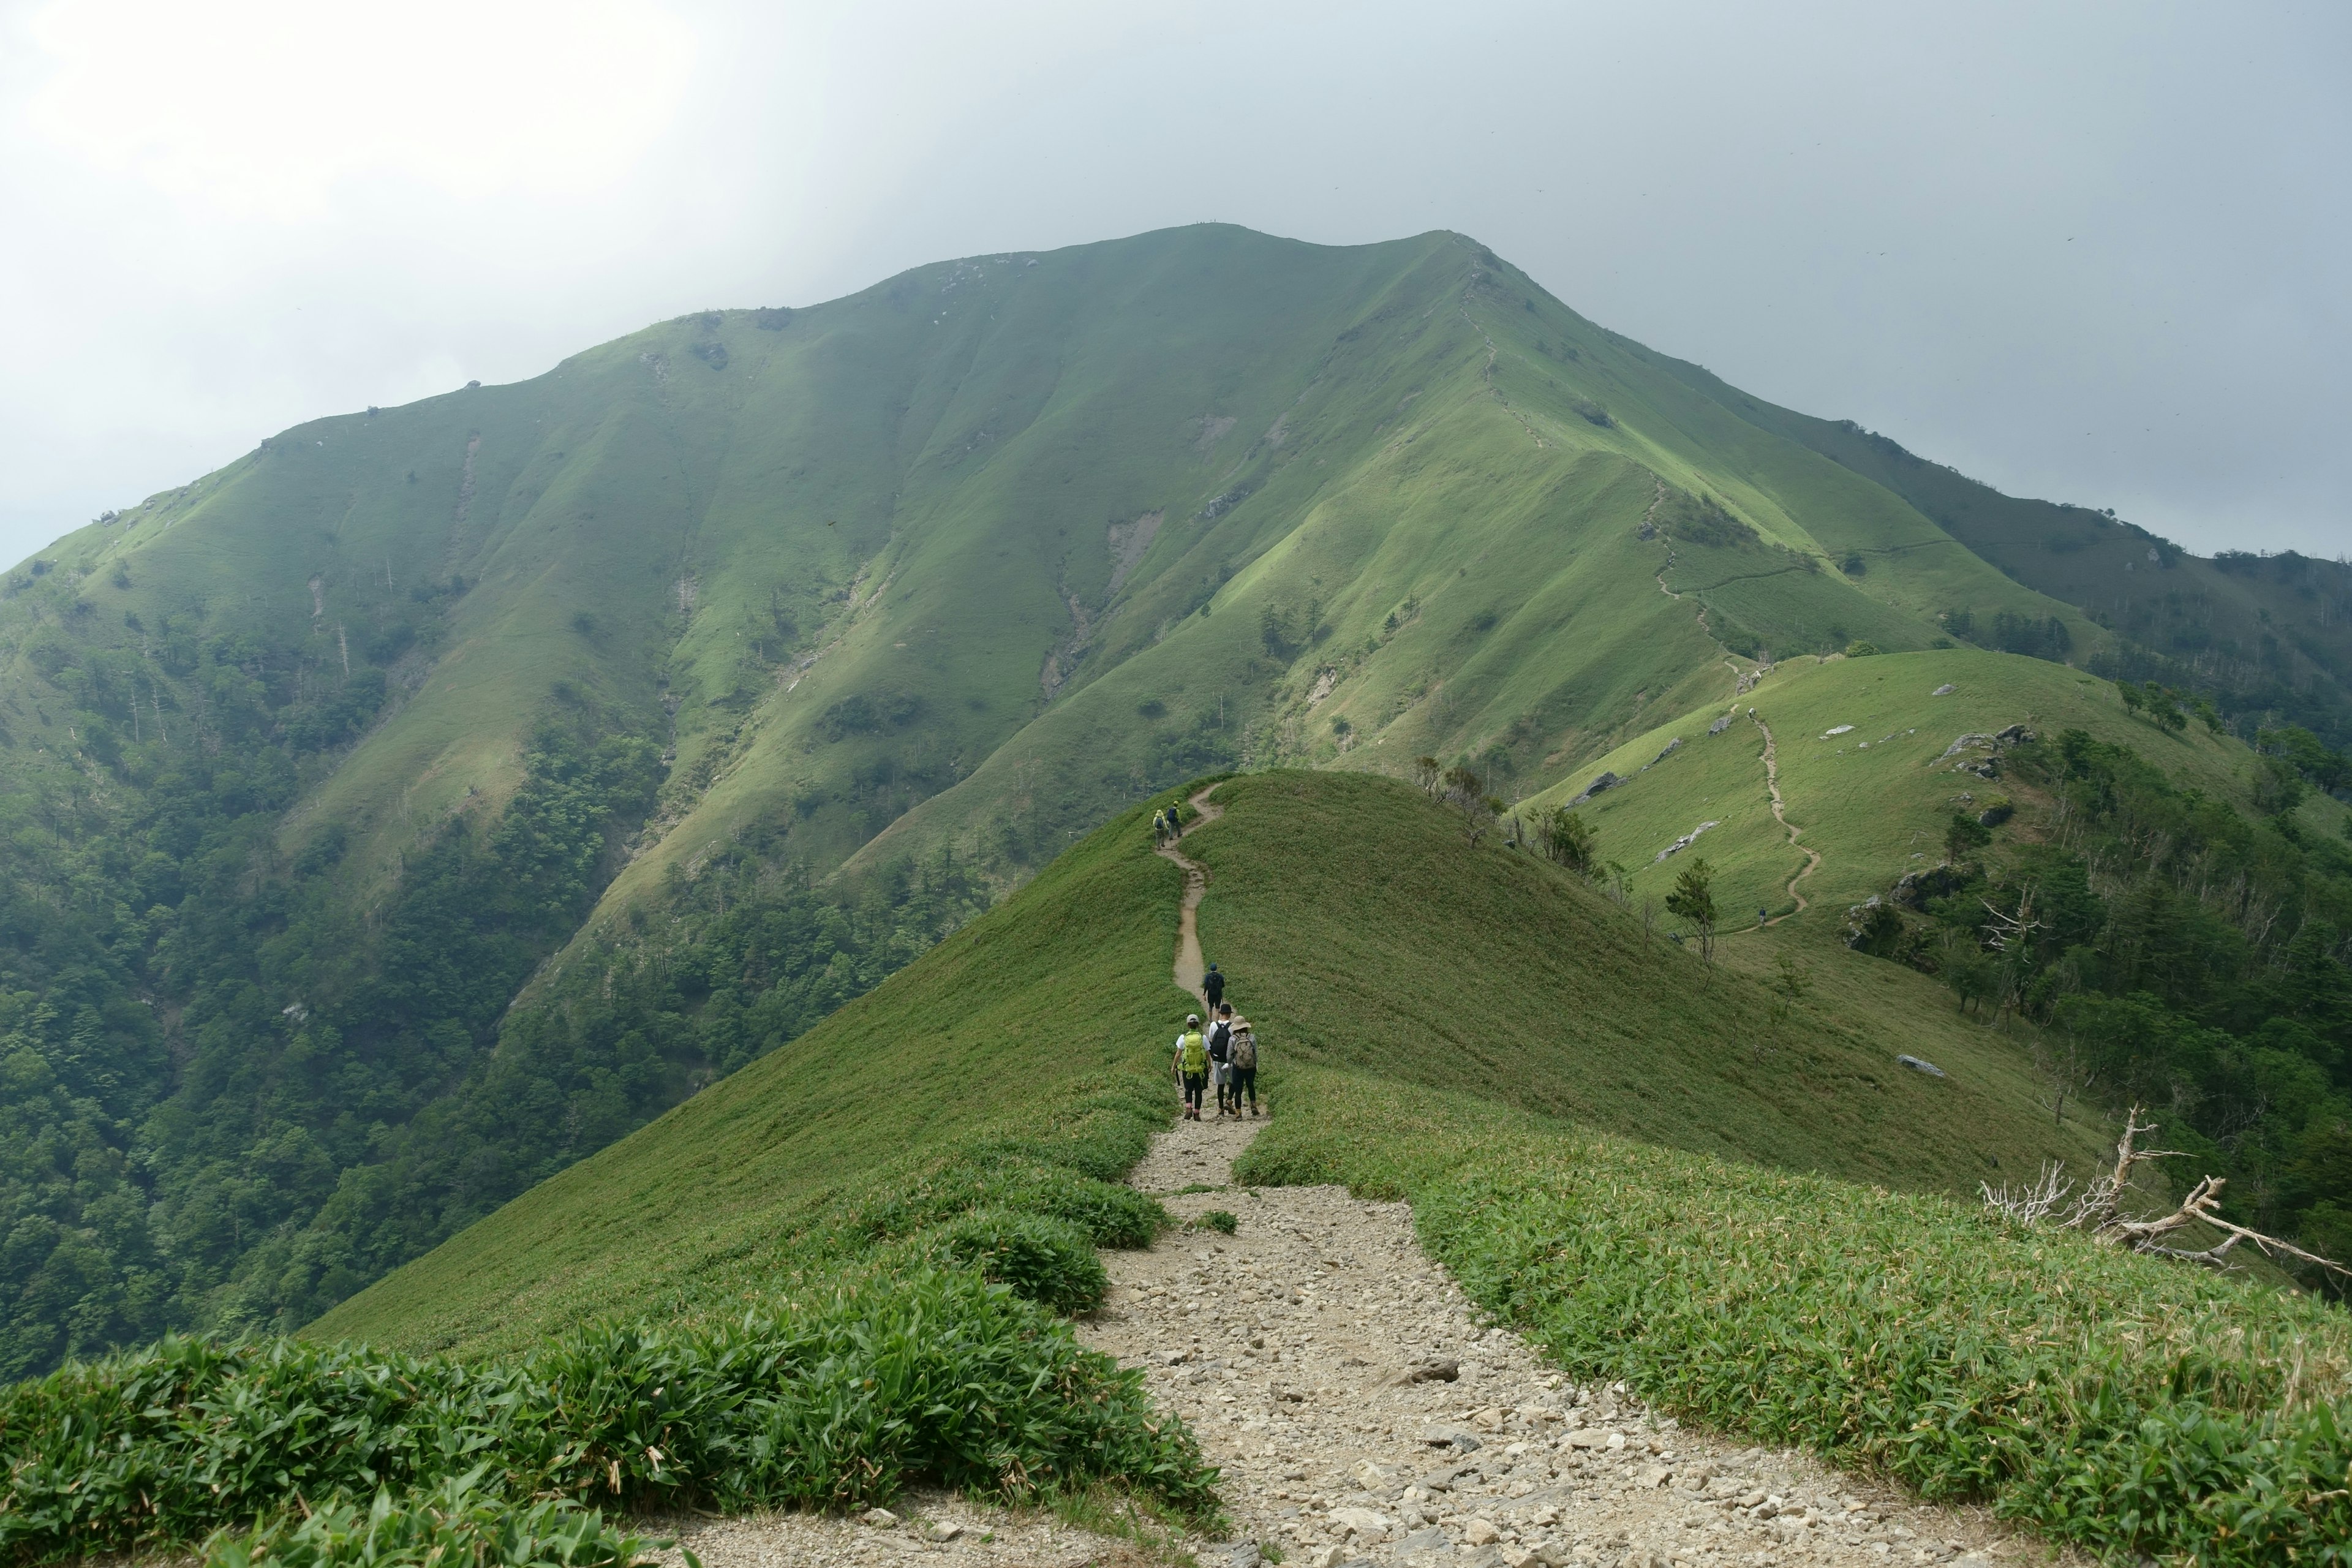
pixel 1311 1351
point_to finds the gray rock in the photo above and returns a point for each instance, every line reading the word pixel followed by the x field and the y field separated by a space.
pixel 1916 1065
pixel 1944 690
pixel 1432 1538
pixel 1607 781
pixel 1720 725
pixel 1231 1554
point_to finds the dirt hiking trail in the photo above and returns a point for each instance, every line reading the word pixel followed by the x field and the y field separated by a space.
pixel 1773 786
pixel 1190 966
pixel 1361 1413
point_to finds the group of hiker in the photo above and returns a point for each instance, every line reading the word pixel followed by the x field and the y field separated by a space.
pixel 1222 1056
pixel 1223 1053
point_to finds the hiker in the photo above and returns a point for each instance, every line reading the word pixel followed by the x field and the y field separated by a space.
pixel 1221 1041
pixel 1158 830
pixel 1213 988
pixel 1241 1063
pixel 1175 821
pixel 1191 1064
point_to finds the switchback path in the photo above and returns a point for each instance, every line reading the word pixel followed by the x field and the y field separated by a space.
pixel 1190 966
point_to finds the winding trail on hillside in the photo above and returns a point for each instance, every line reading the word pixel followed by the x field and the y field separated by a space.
pixel 1362 1416
pixel 1190 966
pixel 1772 785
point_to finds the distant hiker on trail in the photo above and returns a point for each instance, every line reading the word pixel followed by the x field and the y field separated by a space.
pixel 1241 1063
pixel 1191 1064
pixel 1213 988
pixel 1158 830
pixel 1221 1044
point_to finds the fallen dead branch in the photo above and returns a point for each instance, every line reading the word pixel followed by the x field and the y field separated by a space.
pixel 2098 1210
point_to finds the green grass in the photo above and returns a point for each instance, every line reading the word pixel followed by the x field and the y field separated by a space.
pixel 836 1399
pixel 1361 931
pixel 1646 1162
pixel 1017 1065
pixel 2127 1404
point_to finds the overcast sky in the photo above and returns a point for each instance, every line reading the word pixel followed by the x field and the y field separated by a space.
pixel 2096 252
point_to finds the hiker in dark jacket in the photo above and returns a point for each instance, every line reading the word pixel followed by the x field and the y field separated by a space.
pixel 1213 988
pixel 1221 1041
pixel 1241 1063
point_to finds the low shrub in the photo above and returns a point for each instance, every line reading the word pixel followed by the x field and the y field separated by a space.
pixel 834 1403
pixel 1049 1261
pixel 458 1522
pixel 1221 1220
pixel 2128 1404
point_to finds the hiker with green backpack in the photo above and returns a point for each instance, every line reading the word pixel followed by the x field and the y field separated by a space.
pixel 1192 1065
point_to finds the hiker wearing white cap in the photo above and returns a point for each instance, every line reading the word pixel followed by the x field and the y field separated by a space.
pixel 1191 1064
pixel 1241 1065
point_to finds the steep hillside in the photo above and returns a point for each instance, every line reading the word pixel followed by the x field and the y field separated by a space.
pixel 1360 929
pixel 2267 638
pixel 428 797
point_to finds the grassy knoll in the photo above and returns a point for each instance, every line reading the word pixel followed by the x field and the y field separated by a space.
pixel 2128 1404
pixel 1872 801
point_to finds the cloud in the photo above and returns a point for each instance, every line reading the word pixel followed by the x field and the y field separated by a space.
pixel 239 108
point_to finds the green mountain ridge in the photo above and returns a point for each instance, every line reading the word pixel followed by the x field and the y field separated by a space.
pixel 412 808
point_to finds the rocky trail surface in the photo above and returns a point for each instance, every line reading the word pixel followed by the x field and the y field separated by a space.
pixel 1363 1415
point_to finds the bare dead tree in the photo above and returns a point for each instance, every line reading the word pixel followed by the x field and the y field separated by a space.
pixel 2098 1210
pixel 2011 937
pixel 2036 1201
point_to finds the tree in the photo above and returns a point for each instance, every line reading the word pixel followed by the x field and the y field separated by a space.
pixel 1963 834
pixel 1693 901
pixel 1567 842
pixel 1425 772
pixel 1466 793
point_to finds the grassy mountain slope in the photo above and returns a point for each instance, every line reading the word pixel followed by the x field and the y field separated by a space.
pixel 1031 1025
pixel 1362 931
pixel 1872 802
pixel 314 765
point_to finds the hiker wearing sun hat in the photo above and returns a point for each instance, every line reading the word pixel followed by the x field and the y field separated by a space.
pixel 1192 1065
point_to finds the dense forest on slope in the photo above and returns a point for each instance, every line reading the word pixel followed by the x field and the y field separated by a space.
pixel 2183 954
pixel 431 795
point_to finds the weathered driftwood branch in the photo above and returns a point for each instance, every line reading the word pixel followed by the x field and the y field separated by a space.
pixel 2099 1209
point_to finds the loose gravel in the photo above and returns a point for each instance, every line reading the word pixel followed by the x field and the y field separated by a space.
pixel 1361 1413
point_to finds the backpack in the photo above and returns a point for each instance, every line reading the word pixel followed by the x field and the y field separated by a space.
pixel 1221 1040
pixel 1196 1052
pixel 1245 1049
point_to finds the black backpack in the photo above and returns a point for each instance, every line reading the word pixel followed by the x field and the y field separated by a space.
pixel 1221 1041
